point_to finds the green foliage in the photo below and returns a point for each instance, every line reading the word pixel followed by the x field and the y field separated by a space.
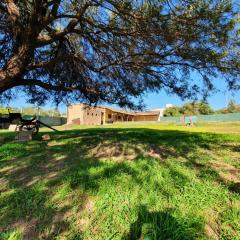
pixel 40 111
pixel 3 110
pixel 190 108
pixel 11 235
pixel 32 111
pixel 205 109
pixel 196 108
pixel 172 111
pixel 231 108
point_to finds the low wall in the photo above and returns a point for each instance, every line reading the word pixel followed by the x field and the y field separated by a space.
pixel 52 121
pixel 172 119
pixel 228 117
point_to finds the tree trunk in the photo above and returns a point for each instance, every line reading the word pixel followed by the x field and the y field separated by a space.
pixel 16 67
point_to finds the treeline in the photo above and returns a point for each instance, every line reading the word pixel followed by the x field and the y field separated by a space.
pixel 231 108
pixel 33 111
pixel 199 108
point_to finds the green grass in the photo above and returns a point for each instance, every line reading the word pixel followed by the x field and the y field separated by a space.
pixel 122 182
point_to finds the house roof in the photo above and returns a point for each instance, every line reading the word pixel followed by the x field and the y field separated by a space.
pixel 145 113
pixel 117 110
pixel 149 113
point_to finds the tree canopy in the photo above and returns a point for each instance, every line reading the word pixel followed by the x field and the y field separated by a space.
pixel 116 50
pixel 173 111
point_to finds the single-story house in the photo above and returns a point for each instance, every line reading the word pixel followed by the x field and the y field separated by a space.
pixel 98 115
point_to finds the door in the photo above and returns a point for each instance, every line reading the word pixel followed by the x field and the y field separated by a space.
pixel 102 116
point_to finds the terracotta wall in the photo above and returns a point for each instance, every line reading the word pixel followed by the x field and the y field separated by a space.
pixel 109 118
pixel 146 118
pixel 82 114
pixel 93 116
pixel 74 114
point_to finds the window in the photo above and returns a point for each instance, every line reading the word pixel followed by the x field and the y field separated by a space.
pixel 96 114
pixel 119 117
pixel 92 114
pixel 109 116
pixel 87 113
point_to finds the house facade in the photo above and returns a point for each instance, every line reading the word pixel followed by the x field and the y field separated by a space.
pixel 99 115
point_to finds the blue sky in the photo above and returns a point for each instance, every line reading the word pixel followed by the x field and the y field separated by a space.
pixel 158 100
pixel 217 100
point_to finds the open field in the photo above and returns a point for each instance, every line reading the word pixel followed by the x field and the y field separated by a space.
pixel 142 181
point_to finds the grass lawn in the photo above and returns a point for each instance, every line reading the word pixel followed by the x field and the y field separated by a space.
pixel 122 182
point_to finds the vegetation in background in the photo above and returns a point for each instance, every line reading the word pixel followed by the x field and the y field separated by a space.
pixel 172 111
pixel 4 110
pixel 33 111
pixel 122 182
pixel 189 108
pixel 200 108
pixel 231 108
pixel 39 111
pixel 196 108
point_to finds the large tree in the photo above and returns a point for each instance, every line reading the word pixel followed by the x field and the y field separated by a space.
pixel 115 50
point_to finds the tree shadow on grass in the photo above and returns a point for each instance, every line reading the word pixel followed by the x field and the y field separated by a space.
pixel 161 226
pixel 69 156
pixel 27 210
pixel 207 171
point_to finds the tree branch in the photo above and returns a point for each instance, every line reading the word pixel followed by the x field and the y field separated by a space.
pixel 12 10
pixel 47 86
pixel 46 39
pixel 51 87
pixel 55 60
